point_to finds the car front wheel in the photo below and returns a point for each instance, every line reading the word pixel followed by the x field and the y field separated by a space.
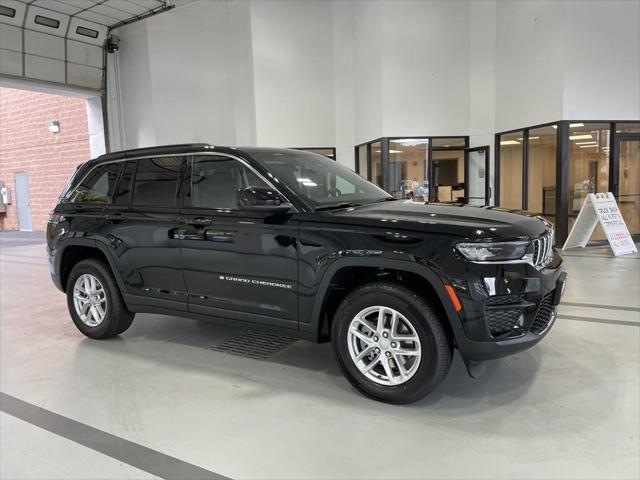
pixel 390 344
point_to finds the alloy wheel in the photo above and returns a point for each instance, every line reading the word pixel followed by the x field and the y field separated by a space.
pixel 384 345
pixel 90 300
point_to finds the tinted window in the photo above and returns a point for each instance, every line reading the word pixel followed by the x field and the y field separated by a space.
pixel 215 181
pixel 98 185
pixel 317 179
pixel 123 195
pixel 156 181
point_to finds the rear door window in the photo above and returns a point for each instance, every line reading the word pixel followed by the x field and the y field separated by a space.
pixel 98 186
pixel 156 182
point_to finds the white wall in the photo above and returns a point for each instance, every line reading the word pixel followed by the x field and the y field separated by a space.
pixel 529 63
pixel 293 73
pixel 339 73
pixel 425 74
pixel 601 60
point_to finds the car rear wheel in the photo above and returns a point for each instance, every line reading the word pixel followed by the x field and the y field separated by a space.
pixel 390 344
pixel 94 300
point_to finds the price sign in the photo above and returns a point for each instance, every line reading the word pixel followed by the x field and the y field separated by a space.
pixel 602 208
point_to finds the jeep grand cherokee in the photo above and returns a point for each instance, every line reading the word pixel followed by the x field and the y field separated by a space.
pixel 295 243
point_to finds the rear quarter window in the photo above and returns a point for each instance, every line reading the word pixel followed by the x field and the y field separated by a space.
pixel 98 186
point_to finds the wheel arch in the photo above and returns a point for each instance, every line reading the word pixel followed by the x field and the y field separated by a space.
pixel 72 253
pixel 339 278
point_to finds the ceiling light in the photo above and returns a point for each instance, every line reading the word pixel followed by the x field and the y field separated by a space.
pixel 585 136
pixel 530 138
pixel 555 127
pixel 395 151
pixel 588 146
pixel 586 143
pixel 576 125
pixel 509 142
pixel 54 127
pixel 303 180
pixel 310 184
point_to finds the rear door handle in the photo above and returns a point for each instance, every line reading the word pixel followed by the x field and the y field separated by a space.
pixel 197 221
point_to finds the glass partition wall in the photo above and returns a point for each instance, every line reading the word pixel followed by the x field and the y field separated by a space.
pixel 550 169
pixel 329 152
pixel 418 168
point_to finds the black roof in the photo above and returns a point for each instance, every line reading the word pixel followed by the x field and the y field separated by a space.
pixel 159 150
pixel 180 148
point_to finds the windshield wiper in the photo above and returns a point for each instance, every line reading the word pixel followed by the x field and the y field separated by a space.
pixel 385 199
pixel 336 206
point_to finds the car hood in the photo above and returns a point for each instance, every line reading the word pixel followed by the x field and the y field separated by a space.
pixel 466 221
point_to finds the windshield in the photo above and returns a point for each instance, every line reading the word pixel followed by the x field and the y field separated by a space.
pixel 320 181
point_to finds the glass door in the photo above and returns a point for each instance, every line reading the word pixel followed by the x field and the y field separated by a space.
pixel 477 175
pixel 627 188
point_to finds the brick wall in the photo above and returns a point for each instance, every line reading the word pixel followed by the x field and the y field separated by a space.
pixel 27 145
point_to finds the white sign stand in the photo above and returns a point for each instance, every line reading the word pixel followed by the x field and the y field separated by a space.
pixel 601 207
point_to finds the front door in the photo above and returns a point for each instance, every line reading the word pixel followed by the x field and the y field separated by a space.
pixel 477 175
pixel 23 201
pixel 626 177
pixel 237 265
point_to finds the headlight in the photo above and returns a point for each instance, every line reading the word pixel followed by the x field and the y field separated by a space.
pixel 494 251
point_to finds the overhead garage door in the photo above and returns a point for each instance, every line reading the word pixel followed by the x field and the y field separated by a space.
pixel 61 41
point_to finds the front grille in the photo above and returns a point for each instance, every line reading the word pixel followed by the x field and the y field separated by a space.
pixel 543 250
pixel 503 320
pixel 544 315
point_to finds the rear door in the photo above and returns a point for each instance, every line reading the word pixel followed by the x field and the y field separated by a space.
pixel 139 230
pixel 237 264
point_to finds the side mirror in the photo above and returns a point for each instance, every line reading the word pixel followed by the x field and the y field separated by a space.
pixel 261 199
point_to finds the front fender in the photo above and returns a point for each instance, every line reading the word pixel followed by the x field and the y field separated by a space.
pixel 419 268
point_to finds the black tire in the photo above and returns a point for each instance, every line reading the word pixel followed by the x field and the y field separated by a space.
pixel 435 344
pixel 117 317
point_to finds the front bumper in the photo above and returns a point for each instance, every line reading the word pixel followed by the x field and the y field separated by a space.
pixel 507 308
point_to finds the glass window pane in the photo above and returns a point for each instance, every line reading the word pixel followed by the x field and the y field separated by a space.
pixel 98 186
pixel 376 163
pixel 216 181
pixel 629 184
pixel 588 167
pixel 476 188
pixel 542 171
pixel 362 161
pixel 448 175
pixel 511 170
pixel 156 181
pixel 448 142
pixel 327 152
pixel 628 127
pixel 408 168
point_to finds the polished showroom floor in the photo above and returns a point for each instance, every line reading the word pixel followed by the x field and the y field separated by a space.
pixel 159 402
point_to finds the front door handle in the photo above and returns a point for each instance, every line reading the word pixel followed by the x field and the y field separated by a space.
pixel 115 217
pixel 197 221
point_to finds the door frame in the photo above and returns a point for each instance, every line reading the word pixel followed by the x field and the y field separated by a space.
pixel 487 172
pixel 614 165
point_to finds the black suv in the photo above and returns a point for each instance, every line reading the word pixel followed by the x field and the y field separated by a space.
pixel 295 243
